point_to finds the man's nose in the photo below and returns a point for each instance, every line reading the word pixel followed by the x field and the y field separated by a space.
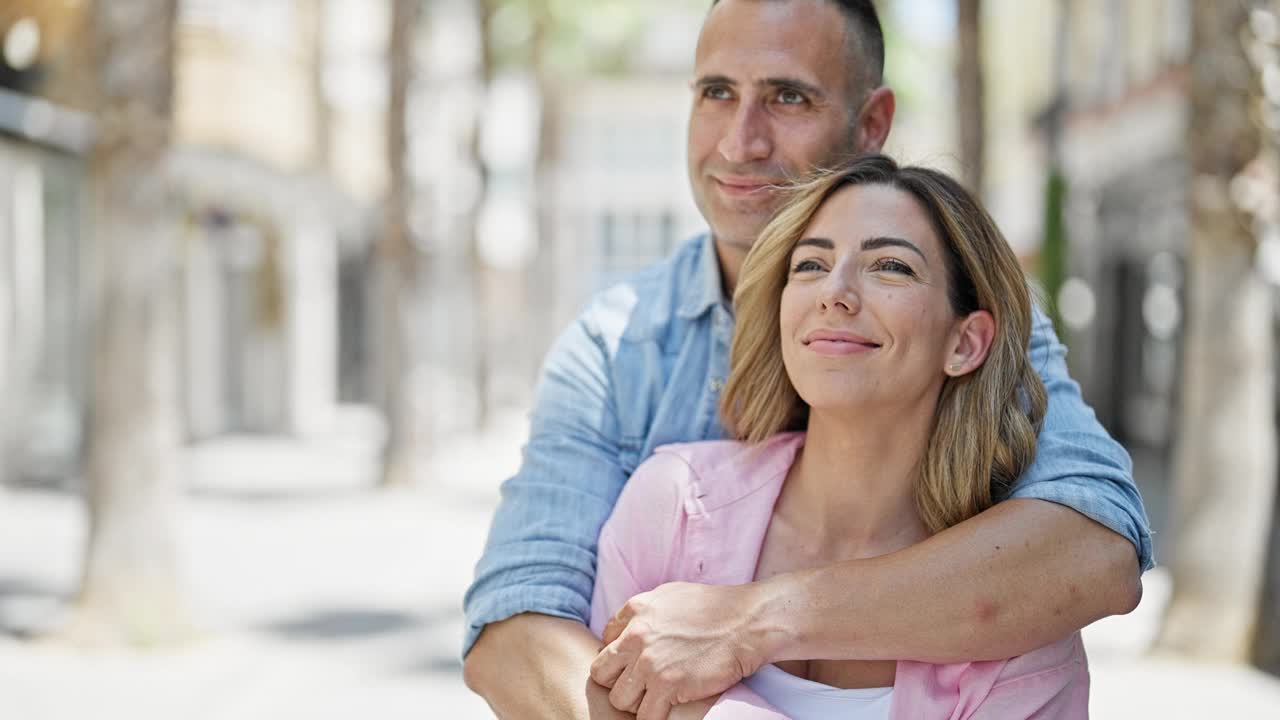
pixel 747 137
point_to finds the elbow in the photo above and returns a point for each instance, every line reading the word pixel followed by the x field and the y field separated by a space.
pixel 1124 579
pixel 476 668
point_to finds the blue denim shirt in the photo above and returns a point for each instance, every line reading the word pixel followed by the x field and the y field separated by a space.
pixel 643 366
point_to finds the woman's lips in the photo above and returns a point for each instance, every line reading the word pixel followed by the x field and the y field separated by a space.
pixel 840 347
pixel 837 342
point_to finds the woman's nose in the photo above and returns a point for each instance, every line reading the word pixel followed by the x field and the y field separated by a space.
pixel 839 293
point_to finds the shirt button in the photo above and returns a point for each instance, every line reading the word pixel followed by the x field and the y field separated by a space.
pixel 716 384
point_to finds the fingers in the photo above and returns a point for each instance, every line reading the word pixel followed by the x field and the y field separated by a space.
pixel 654 706
pixel 609 664
pixel 628 691
pixel 618 622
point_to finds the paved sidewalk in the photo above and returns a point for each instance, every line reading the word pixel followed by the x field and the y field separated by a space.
pixel 319 598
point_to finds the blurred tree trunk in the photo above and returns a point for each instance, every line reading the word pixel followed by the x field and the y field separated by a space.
pixel 970 93
pixel 1053 247
pixel 1225 458
pixel 1266 644
pixel 399 264
pixel 130 587
pixel 314 30
pixel 541 272
pixel 481 367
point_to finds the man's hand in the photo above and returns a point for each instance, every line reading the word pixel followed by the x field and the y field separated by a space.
pixel 679 643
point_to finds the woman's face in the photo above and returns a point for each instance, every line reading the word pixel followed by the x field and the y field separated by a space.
pixel 865 318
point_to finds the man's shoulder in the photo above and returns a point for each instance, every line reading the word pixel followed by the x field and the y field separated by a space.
pixel 648 300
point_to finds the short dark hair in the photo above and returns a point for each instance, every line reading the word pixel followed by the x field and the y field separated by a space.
pixel 868 40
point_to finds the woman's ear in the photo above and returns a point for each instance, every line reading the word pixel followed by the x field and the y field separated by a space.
pixel 970 342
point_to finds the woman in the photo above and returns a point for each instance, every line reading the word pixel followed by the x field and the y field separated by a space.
pixel 879 392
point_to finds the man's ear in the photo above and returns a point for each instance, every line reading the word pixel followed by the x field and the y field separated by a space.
pixel 875 119
pixel 970 343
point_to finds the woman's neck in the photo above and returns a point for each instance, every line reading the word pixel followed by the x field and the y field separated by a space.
pixel 850 491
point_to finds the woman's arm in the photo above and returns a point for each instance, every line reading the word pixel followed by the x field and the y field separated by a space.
pixel 1021 575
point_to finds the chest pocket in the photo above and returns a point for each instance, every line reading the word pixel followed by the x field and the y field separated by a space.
pixel 641 374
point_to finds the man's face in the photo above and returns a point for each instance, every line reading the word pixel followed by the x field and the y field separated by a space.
pixel 772 101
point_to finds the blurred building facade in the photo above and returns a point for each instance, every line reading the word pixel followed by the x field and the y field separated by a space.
pixel 275 179
pixel 1124 133
pixel 43 272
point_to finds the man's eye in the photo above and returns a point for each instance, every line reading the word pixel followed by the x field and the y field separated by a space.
pixel 791 97
pixel 716 92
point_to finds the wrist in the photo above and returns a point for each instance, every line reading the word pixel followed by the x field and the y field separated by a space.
pixel 771 634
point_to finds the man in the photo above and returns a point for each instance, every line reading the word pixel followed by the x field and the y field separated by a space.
pixel 781 87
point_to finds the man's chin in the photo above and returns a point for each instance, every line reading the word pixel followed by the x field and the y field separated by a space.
pixel 734 240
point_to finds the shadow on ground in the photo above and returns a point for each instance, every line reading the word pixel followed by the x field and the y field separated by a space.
pixel 26 607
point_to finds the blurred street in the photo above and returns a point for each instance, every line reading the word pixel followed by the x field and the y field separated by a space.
pixel 317 598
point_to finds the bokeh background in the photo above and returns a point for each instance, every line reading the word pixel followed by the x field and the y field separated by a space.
pixel 276 277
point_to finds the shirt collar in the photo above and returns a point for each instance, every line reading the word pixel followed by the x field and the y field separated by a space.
pixel 704 290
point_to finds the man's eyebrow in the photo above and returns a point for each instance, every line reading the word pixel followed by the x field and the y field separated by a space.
pixel 708 80
pixel 880 242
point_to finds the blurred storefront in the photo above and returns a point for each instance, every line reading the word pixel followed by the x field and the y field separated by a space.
pixel 43 277
pixel 274 190
pixel 1124 132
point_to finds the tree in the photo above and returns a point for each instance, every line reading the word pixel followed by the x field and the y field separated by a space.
pixel 1053 246
pixel 398 262
pixel 970 94
pixel 130 585
pixel 1225 458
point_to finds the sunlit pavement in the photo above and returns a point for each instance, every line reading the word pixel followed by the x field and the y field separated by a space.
pixel 318 598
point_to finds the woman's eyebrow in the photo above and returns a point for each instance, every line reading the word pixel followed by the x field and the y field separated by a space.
pixel 823 243
pixel 880 242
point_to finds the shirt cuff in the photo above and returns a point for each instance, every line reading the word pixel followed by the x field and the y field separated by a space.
pixel 508 602
pixel 1081 495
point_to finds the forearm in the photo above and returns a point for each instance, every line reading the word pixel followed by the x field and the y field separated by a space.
pixel 538 667
pixel 1017 577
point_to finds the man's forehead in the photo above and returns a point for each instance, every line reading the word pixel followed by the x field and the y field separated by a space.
pixel 753 41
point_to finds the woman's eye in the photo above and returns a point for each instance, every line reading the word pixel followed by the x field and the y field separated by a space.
pixel 892 265
pixel 806 266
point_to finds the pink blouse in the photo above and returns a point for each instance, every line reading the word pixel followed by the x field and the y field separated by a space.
pixel 698 512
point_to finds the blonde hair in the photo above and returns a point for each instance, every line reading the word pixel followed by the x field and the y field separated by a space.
pixel 986 422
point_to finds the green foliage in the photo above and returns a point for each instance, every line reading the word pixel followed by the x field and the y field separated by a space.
pixel 1053 249
pixel 572 37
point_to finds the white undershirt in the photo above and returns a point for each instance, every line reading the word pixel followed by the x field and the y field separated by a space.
pixel 801 699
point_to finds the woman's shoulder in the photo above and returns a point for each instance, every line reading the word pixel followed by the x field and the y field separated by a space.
pixel 717 472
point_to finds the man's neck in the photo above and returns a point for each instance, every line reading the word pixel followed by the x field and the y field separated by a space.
pixel 731 256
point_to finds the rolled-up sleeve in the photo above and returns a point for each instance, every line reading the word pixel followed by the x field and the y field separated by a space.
pixel 1077 463
pixel 541 552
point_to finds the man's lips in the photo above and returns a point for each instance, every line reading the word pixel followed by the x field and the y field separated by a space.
pixel 838 342
pixel 745 186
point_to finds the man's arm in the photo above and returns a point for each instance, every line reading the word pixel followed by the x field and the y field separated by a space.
pixel 1066 551
pixel 1017 577
pixel 1020 576
pixel 541 551
pixel 536 666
